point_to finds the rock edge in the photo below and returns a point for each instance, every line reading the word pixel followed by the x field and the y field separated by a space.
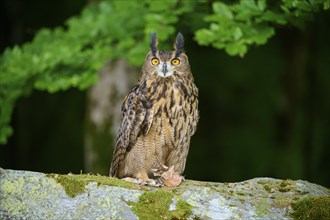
pixel 33 195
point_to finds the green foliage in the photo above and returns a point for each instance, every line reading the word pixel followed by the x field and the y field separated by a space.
pixel 70 56
pixel 236 26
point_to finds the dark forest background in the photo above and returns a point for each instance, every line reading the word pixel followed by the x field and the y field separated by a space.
pixel 264 114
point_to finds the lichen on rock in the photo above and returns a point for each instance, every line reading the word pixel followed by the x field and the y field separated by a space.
pixel 32 195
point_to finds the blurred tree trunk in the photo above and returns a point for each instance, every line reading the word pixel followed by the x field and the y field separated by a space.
pixel 296 52
pixel 311 98
pixel 103 114
pixel 290 123
pixel 298 120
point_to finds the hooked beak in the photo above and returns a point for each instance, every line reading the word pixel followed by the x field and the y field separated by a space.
pixel 164 69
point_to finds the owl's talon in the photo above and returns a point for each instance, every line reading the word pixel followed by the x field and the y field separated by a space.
pixel 171 178
pixel 147 182
pixel 152 182
pixel 132 180
pixel 159 182
pixel 159 172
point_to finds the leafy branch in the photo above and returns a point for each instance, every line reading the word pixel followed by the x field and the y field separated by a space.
pixel 234 27
pixel 70 56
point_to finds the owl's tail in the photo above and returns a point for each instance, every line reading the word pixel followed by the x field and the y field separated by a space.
pixel 118 157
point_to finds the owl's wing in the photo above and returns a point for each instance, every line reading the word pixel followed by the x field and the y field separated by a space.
pixel 136 120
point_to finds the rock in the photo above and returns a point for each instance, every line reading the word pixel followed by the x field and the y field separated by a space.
pixel 32 195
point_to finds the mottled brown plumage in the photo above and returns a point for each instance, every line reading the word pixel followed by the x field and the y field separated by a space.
pixel 160 115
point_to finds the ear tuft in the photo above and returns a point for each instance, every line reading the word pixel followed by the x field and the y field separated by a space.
pixel 154 43
pixel 178 46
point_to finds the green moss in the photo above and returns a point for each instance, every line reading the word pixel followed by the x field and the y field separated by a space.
pixel 156 204
pixel 183 210
pixel 240 193
pixel 241 200
pixel 75 184
pixel 282 201
pixel 267 188
pixel 302 192
pixel 286 186
pixel 230 192
pixel 153 205
pixel 262 209
pixel 317 207
pixel 283 186
pixel 72 186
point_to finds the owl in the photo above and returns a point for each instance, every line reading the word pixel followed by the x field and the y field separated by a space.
pixel 159 116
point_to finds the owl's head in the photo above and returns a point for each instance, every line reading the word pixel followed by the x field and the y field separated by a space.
pixel 167 63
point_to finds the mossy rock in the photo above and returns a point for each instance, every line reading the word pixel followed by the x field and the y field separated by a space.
pixel 83 196
pixel 75 184
pixel 156 205
pixel 312 208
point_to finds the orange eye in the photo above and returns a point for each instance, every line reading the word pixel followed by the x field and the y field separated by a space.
pixel 155 61
pixel 175 61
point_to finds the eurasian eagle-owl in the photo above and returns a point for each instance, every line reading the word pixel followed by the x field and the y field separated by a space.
pixel 159 116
